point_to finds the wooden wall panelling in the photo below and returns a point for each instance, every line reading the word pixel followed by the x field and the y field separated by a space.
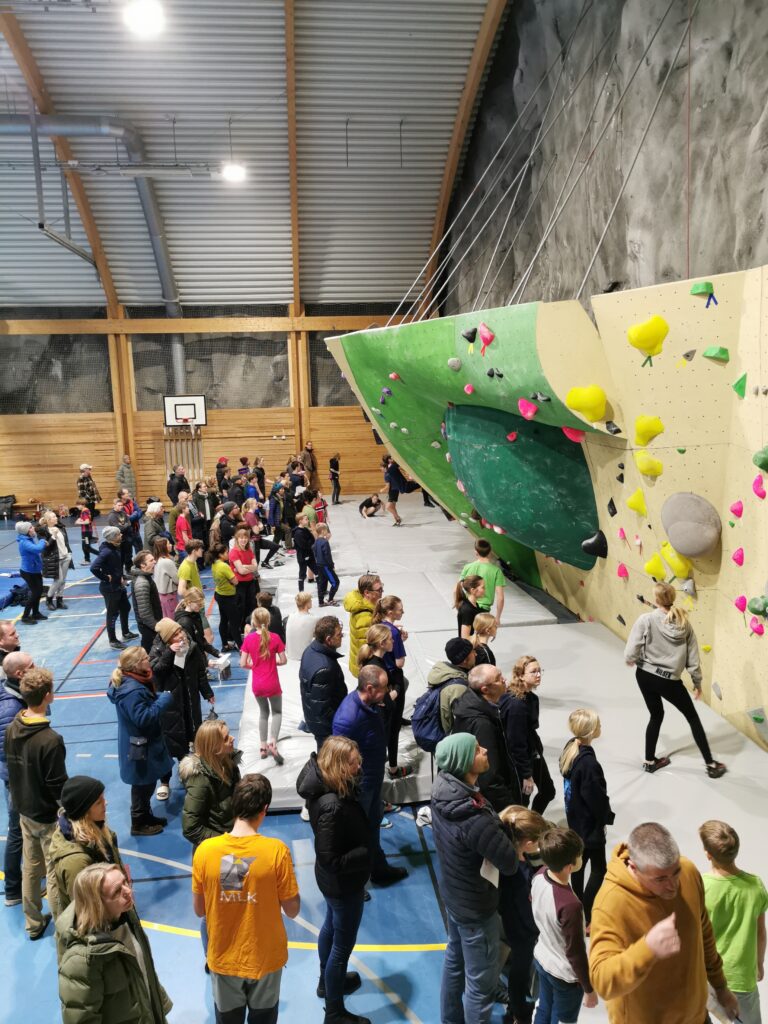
pixel 343 429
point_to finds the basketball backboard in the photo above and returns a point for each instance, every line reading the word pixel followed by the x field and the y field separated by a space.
pixel 184 410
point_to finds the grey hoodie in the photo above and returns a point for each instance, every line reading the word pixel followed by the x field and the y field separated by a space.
pixel 443 672
pixel 664 649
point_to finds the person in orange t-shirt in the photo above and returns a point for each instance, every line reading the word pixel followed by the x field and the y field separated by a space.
pixel 242 883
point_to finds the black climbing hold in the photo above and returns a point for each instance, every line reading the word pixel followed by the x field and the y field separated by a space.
pixel 499 374
pixel 537 396
pixel 640 598
pixel 621 619
pixel 611 427
pixel 612 508
pixel 470 334
pixel 689 354
pixel 621 465
pixel 491 372
pixel 596 545
pixel 620 478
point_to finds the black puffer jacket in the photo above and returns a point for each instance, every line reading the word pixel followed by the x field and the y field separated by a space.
pixel 342 835
pixel 500 784
pixel 50 552
pixel 145 599
pixel 183 718
pixel 587 806
pixel 520 718
pixel 467 832
pixel 192 624
pixel 321 679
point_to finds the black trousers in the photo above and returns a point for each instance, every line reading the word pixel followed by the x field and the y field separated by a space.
pixel 519 971
pixel 34 581
pixel 141 811
pixel 305 562
pixel 655 690
pixel 265 544
pixel 117 605
pixel 147 637
pixel 393 726
pixel 246 601
pixel 126 553
pixel 545 787
pixel 595 857
pixel 335 490
pixel 229 619
pixel 88 548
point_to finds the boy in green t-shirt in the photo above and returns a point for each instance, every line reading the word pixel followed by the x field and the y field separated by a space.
pixel 493 576
pixel 736 904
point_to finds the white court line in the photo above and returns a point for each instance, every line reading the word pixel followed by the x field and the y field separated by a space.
pixel 83 755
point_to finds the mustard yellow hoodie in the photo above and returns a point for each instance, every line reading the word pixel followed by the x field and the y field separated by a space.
pixel 360 616
pixel 638 988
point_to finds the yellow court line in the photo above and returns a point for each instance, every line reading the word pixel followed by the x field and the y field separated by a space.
pixel 193 933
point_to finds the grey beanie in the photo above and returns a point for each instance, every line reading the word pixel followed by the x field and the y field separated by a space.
pixel 110 533
pixel 23 528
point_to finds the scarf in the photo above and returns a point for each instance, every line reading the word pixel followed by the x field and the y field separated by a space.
pixel 143 677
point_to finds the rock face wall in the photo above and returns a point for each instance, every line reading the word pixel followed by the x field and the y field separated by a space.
pixel 696 200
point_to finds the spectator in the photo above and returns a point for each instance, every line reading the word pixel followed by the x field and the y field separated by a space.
pixel 492 575
pixel 108 569
pixel 224 593
pixel 560 955
pixel 30 551
pixel 106 971
pixel 378 645
pixel 299 628
pixel 389 612
pixel 276 624
pixel 222 471
pixel 16 664
pixel 229 522
pixel 328 782
pixel 210 776
pixel 476 712
pixel 142 754
pixel 520 717
pixel 205 503
pixel 9 641
pixel 246 570
pixel 261 477
pixel 189 615
pixel 359 717
pixel 126 477
pixel 484 629
pixel 652 945
pixel 308 459
pixel 85 522
pixel 262 651
pixel 321 678
pixel 466 595
pixel 177 482
pixel 236 492
pixel 368 507
pixel 473 848
pixel 326 570
pixel 145 598
pixel 335 478
pixel 361 604
pixel 736 903
pixel 87 490
pixel 166 576
pixel 118 518
pixel 303 541
pixel 154 525
pixel 178 506
pixel 36 758
pixel 133 512
pixel 189 571
pixel 248 947
pixel 56 560
pixel 452 677
pixel 183 529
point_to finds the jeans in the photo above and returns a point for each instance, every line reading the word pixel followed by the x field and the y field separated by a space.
pixel 86 540
pixel 653 689
pixel 470 971
pixel 37 843
pixel 34 581
pixel 117 604
pixel 559 1001
pixel 141 811
pixel 595 857
pixel 370 800
pixel 13 845
pixel 335 943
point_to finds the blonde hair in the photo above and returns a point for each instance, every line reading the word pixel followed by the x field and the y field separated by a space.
pixel 526 825
pixel 375 637
pixel 303 599
pixel 384 607
pixel 46 517
pixel 88 833
pixel 260 620
pixel 720 841
pixel 194 595
pixel 323 528
pixel 127 662
pixel 209 740
pixel 90 912
pixel 463 588
pixel 516 684
pixel 484 625
pixel 585 725
pixel 333 764
pixel 664 594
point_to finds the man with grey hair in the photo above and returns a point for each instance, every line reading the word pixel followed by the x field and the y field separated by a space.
pixel 477 712
pixel 108 569
pixel 652 948
pixel 9 641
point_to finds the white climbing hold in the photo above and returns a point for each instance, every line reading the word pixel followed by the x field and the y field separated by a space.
pixel 448 457
pixel 435 444
pixel 454 364
pixel 404 430
pixel 393 426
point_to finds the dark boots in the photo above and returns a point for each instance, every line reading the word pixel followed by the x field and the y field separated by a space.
pixel 60 603
pixel 341 1015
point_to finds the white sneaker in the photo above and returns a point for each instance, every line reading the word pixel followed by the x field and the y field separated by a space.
pixel 163 792
pixel 304 813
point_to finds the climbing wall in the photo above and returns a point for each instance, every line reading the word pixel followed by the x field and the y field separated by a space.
pixel 600 457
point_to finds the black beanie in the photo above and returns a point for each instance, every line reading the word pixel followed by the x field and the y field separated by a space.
pixel 79 794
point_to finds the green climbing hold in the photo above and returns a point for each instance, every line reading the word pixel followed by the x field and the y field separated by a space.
pixel 760 459
pixel 682 450
pixel 702 288
pixel 740 385
pixel 718 353
pixel 758 719
pixel 758 606
pixel 731 522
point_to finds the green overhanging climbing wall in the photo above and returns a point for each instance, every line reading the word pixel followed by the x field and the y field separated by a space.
pixel 448 424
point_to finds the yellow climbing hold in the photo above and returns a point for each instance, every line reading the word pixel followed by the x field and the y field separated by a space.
pixel 655 567
pixel 589 401
pixel 649 336
pixel 646 428
pixel 636 502
pixel 647 465
pixel 679 564
pixel 706 648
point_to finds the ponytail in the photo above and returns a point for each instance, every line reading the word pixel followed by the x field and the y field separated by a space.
pixel 364 654
pixel 384 607
pixel 463 588
pixel 375 638
pixel 525 825
pixel 664 595
pixel 260 621
pixel 585 726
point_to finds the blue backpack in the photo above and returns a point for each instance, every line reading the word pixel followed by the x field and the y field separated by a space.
pixel 425 718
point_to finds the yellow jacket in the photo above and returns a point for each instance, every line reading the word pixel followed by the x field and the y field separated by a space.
pixel 638 988
pixel 360 615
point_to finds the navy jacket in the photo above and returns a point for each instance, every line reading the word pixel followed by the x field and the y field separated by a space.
pixel 520 717
pixel 364 724
pixel 587 806
pixel 468 831
pixel 10 705
pixel 500 784
pixel 321 549
pixel 107 567
pixel 139 714
pixel 303 539
pixel 321 680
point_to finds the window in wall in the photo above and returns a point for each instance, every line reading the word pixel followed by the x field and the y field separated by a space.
pixel 242 371
pixel 56 373
pixel 328 386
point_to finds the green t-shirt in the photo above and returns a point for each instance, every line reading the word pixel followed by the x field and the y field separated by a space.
pixel 310 513
pixel 188 571
pixel 493 577
pixel 734 904
pixel 223 577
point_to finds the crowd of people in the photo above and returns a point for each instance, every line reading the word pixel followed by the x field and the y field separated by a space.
pixel 538 916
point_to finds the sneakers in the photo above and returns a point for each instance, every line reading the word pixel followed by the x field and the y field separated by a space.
pixel 400 771
pixel 653 766
pixel 117 646
pixel 163 791
pixel 39 617
pixel 385 823
pixel 716 769
pixel 278 757
pixel 390 876
pixel 12 901
pixel 27 621
pixel 391 808
pixel 130 636
pixel 342 1015
pixel 146 830
pixel 34 936
pixel 304 817
pixel 352 983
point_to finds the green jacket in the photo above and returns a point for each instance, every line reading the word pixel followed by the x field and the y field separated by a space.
pixel 101 980
pixel 68 858
pixel 208 803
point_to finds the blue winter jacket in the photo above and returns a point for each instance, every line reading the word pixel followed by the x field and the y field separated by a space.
pixel 30 552
pixel 363 724
pixel 139 713
pixel 107 567
pixel 468 831
pixel 10 705
pixel 321 549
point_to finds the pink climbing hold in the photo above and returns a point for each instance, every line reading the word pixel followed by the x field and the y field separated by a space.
pixel 486 337
pixel 499 529
pixel 738 556
pixel 758 487
pixel 741 603
pixel 577 436
pixel 622 572
pixel 469 389
pixel 756 626
pixel 512 435
pixel 527 409
pixel 460 486
pixel 622 534
pixel 737 509
pixel 394 376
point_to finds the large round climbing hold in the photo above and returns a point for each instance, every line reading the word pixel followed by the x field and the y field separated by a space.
pixel 692 524
pixel 649 336
pixel 589 401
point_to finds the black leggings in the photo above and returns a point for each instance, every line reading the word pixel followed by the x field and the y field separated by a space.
pixel 519 971
pixel 595 857
pixel 393 726
pixel 545 787
pixel 34 581
pixel 653 689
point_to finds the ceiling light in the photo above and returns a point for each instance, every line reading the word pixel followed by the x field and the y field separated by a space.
pixel 145 18
pixel 233 172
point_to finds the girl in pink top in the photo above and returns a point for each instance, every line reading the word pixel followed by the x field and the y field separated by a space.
pixel 262 652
